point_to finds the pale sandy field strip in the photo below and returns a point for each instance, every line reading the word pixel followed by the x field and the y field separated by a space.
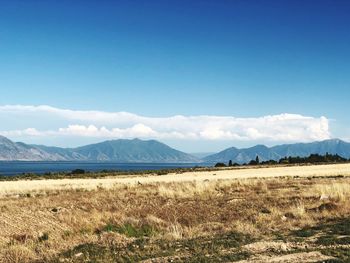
pixel 25 186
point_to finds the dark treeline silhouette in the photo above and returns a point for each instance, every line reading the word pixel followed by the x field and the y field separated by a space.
pixel 312 159
pixel 315 158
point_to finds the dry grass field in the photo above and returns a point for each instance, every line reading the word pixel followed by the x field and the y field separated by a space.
pixel 282 214
pixel 244 172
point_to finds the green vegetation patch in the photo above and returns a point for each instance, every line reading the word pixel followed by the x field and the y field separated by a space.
pixel 304 232
pixel 335 232
pixel 219 248
pixel 130 230
pixel 328 240
pixel 330 234
pixel 341 255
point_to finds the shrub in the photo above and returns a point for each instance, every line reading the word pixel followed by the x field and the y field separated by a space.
pixel 130 230
pixel 220 165
pixel 78 171
pixel 43 237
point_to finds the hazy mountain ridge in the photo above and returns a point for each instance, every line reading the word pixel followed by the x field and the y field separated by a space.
pixel 117 151
pixel 10 151
pixel 333 146
pixel 133 151
pixel 153 151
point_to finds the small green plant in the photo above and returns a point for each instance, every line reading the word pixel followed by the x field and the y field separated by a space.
pixel 67 233
pixel 43 237
pixel 85 230
pixel 129 230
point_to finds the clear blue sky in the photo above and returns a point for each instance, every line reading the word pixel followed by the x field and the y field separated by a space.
pixel 163 58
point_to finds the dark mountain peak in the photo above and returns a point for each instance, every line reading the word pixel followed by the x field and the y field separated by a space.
pixel 133 150
pixel 126 141
pixel 258 147
pixel 231 148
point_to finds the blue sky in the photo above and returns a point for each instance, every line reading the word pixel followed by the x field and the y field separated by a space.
pixel 241 59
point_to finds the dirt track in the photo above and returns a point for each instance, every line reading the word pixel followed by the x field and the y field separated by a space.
pixel 25 186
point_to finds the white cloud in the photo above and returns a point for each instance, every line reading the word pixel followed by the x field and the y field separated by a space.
pixel 99 124
pixel 19 133
pixel 138 130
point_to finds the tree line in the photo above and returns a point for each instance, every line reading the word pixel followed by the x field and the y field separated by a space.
pixel 311 159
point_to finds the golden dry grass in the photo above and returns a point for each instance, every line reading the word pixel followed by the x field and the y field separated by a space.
pixel 24 186
pixel 39 224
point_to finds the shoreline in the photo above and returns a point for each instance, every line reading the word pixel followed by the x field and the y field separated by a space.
pixel 137 170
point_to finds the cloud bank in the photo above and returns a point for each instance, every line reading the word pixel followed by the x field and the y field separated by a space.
pixel 115 125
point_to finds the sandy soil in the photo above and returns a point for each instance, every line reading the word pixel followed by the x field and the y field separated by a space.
pixel 291 258
pixel 25 186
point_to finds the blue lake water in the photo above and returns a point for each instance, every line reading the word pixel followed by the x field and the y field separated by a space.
pixel 15 168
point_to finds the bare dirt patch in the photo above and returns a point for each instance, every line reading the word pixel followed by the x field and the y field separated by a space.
pixel 290 258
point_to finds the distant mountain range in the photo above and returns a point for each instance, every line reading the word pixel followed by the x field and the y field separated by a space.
pixel 201 155
pixel 109 151
pixel 151 151
pixel 334 146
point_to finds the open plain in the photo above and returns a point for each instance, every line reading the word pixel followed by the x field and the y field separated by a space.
pixel 271 214
pixel 244 172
